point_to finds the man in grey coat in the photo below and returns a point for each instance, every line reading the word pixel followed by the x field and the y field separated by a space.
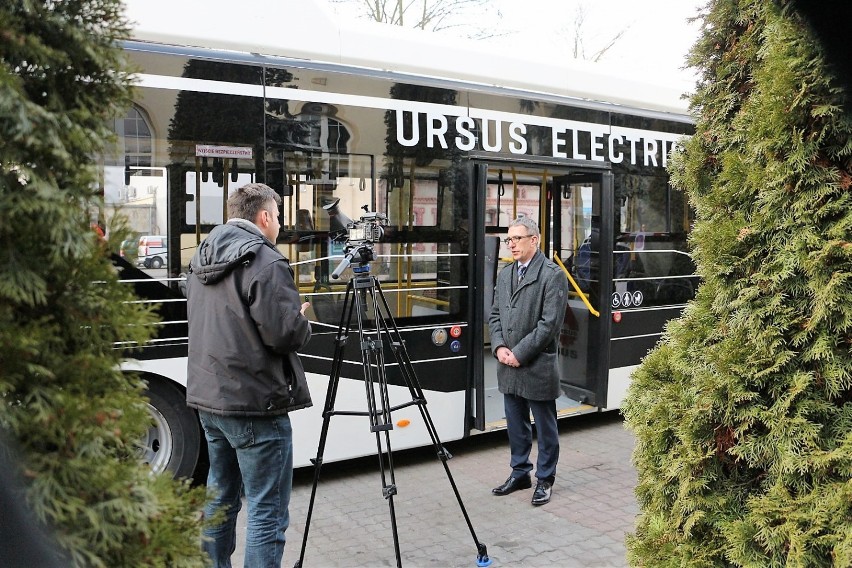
pixel 529 306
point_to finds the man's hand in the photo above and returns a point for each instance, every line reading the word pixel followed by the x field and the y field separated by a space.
pixel 305 306
pixel 505 356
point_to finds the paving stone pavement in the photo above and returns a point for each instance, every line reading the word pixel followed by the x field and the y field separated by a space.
pixel 583 526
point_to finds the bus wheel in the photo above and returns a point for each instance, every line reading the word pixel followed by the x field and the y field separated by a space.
pixel 173 441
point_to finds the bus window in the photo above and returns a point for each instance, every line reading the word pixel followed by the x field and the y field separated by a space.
pixel 135 190
pixel 652 266
pixel 311 180
pixel 425 253
pixel 420 260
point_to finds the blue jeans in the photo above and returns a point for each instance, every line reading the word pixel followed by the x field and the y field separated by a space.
pixel 255 454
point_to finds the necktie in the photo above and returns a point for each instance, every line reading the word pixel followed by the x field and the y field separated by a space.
pixel 521 271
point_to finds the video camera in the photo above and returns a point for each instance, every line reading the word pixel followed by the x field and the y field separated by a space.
pixel 359 235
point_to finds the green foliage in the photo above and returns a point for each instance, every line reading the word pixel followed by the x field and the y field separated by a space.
pixel 75 417
pixel 743 413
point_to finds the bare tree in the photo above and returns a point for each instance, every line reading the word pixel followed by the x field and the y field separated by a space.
pixel 578 50
pixel 466 16
pixel 431 15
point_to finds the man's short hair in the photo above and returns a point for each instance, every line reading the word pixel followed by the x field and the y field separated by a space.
pixel 247 201
pixel 528 223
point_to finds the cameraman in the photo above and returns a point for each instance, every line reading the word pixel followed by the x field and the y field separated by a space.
pixel 245 325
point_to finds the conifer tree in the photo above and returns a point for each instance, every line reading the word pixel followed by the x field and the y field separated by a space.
pixel 743 412
pixel 75 419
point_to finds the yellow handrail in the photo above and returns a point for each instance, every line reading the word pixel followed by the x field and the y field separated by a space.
pixel 576 287
pixel 514 194
pixel 428 300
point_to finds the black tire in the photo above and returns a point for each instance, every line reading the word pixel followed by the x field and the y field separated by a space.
pixel 173 442
pixel 156 262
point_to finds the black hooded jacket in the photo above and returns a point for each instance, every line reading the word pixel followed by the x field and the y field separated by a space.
pixel 245 326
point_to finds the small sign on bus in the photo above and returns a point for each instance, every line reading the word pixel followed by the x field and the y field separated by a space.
pixel 209 151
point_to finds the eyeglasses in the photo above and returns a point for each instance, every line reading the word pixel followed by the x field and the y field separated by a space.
pixel 515 240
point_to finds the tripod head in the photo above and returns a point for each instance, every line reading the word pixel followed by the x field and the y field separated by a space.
pixel 359 236
pixel 361 253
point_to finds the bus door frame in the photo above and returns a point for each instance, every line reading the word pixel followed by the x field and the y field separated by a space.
pixel 598 396
pixel 478 183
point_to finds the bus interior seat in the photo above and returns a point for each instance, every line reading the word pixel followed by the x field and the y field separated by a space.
pixel 621 263
pixel 678 290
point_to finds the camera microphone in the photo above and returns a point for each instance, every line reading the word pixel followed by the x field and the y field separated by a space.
pixel 344 264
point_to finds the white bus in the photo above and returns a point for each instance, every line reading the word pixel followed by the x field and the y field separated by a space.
pixel 450 143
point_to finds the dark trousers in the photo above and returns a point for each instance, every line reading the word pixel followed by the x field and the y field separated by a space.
pixel 520 436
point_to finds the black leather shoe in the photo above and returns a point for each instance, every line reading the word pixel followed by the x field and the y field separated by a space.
pixel 513 484
pixel 541 495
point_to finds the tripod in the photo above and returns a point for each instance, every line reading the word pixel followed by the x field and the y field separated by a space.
pixel 364 291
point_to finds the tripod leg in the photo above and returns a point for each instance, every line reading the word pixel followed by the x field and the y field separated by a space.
pixel 385 320
pixel 328 408
pixel 372 356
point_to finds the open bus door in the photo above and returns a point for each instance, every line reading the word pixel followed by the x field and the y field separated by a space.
pixel 582 237
pixel 567 203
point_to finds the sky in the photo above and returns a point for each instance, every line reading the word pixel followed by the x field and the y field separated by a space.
pixel 656 38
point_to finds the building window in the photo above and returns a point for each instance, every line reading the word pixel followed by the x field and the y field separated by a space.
pixel 135 133
pixel 326 133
